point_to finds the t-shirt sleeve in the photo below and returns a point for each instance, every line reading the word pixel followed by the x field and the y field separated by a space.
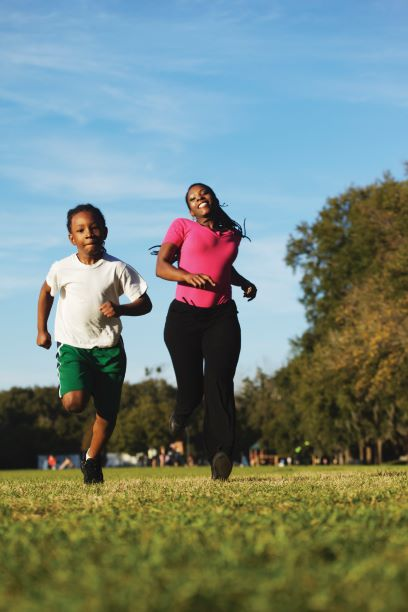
pixel 52 279
pixel 176 233
pixel 133 285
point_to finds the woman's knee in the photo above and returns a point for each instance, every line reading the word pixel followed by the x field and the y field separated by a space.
pixel 189 398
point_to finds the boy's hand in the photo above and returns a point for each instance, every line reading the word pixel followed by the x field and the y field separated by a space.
pixel 109 309
pixel 44 340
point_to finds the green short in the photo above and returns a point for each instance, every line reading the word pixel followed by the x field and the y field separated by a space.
pixel 99 371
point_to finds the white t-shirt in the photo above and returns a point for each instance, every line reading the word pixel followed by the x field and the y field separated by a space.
pixel 83 289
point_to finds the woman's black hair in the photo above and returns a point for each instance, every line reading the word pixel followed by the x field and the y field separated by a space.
pixel 84 208
pixel 223 222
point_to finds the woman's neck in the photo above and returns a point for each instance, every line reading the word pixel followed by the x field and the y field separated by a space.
pixel 207 222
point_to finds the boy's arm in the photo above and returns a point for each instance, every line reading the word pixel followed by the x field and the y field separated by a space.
pixel 138 307
pixel 248 288
pixel 45 302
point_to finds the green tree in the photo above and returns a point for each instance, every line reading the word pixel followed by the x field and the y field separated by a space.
pixel 265 408
pixel 358 234
pixel 350 388
pixel 369 353
pixel 33 422
pixel 144 416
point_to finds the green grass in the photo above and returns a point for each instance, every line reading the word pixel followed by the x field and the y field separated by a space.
pixel 286 539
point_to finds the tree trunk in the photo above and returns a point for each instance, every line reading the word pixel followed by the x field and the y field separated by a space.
pixel 361 451
pixel 379 445
pixel 368 454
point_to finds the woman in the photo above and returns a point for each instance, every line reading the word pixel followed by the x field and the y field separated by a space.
pixel 202 323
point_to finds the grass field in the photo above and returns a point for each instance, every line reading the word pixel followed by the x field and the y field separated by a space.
pixel 269 539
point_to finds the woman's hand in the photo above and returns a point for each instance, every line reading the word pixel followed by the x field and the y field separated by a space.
pixel 198 280
pixel 250 291
pixel 247 287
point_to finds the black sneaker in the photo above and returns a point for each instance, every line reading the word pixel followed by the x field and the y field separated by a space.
pixel 221 466
pixel 92 470
pixel 175 428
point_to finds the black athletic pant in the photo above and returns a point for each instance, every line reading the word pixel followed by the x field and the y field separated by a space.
pixel 213 335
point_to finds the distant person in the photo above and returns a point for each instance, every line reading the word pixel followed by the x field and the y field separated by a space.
pixel 66 464
pixel 244 460
pixel 162 456
pixel 91 359
pixel 202 324
pixel 152 456
pixel 52 462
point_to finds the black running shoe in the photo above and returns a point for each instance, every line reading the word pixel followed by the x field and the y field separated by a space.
pixel 175 428
pixel 221 466
pixel 92 470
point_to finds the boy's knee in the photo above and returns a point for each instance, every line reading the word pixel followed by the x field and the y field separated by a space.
pixel 74 402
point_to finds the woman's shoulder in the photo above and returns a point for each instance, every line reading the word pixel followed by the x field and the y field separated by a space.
pixel 180 226
pixel 182 221
pixel 178 230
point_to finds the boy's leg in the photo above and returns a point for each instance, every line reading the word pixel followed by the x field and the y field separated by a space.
pixel 75 377
pixel 91 465
pixel 101 432
pixel 75 401
pixel 75 368
pixel 109 373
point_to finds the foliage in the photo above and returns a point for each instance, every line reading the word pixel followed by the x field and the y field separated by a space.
pixel 33 422
pixel 263 404
pixel 349 369
pixel 358 235
pixel 144 416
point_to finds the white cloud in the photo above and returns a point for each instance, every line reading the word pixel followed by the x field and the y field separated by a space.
pixel 59 67
pixel 85 170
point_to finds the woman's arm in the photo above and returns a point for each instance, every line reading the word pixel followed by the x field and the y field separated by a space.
pixel 165 269
pixel 248 288
pixel 45 302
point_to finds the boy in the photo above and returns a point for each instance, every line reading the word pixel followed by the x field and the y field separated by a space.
pixel 90 358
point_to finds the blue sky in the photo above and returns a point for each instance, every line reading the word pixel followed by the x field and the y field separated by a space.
pixel 276 104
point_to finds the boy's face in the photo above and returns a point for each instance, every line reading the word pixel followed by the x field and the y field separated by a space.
pixel 88 234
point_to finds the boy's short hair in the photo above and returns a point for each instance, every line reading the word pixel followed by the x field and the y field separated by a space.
pixel 84 208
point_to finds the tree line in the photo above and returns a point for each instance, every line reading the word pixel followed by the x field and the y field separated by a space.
pixel 33 422
pixel 346 382
pixel 344 387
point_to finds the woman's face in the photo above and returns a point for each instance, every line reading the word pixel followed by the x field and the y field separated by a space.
pixel 201 201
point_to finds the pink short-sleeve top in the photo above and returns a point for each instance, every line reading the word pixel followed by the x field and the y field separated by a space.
pixel 204 251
